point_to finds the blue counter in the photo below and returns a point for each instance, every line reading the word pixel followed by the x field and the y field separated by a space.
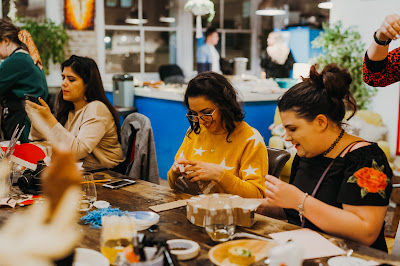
pixel 170 124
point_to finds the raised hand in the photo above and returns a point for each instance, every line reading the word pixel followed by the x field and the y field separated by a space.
pixel 390 28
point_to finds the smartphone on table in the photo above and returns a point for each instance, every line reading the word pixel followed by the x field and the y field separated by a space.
pixel 32 98
pixel 119 183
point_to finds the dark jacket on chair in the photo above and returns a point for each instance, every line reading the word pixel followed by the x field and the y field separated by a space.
pixel 137 138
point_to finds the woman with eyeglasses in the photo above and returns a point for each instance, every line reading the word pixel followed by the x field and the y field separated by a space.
pixel 220 151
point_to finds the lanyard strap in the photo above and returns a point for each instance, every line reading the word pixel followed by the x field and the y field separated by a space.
pixel 325 172
pixel 317 186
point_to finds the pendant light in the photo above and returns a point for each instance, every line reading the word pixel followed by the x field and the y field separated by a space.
pixel 271 8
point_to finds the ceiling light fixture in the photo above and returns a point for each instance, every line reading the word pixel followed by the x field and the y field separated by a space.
pixel 325 5
pixel 271 8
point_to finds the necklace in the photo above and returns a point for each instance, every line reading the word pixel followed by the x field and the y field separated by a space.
pixel 334 143
pixel 214 139
pixel 212 144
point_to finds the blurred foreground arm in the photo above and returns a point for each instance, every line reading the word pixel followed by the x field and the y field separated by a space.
pixel 48 231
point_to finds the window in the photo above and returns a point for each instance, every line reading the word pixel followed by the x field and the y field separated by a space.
pixel 33 9
pixel 232 20
pixel 140 35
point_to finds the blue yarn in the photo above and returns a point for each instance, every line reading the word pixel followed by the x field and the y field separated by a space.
pixel 94 217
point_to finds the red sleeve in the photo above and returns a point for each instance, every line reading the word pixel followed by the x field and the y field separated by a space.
pixel 382 73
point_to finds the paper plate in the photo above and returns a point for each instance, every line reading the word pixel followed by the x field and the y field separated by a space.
pixel 260 248
pixel 347 261
pixel 145 219
pixel 89 257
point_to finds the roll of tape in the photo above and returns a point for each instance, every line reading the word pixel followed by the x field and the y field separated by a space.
pixel 184 249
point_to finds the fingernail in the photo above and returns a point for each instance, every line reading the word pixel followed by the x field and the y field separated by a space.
pixel 397 36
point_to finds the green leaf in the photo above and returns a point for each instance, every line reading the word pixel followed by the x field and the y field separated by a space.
pixel 375 165
pixel 382 193
pixel 345 48
pixel 352 179
pixel 364 192
pixel 50 39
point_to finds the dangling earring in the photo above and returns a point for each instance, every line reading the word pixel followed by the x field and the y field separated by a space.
pixel 84 97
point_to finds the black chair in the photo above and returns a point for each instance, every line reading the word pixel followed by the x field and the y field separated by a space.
pixel 277 159
pixel 171 74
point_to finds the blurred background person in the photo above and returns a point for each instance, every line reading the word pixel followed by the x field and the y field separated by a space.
pixel 20 74
pixel 85 121
pixel 207 55
pixel 277 60
pixel 382 68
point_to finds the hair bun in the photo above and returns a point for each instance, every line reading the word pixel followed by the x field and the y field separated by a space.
pixel 336 80
pixel 316 78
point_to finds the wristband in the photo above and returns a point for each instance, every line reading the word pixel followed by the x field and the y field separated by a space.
pixel 300 207
pixel 380 42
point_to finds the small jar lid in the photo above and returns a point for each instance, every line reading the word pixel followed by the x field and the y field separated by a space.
pixel 184 249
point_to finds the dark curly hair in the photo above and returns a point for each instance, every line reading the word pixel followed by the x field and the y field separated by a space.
pixel 87 69
pixel 326 93
pixel 216 88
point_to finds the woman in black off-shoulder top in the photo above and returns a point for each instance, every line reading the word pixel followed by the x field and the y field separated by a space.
pixel 353 195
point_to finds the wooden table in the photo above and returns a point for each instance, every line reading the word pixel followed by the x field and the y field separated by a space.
pixel 173 223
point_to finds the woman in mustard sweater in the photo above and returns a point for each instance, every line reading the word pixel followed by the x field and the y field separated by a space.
pixel 220 152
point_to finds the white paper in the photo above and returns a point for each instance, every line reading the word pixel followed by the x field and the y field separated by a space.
pixel 313 244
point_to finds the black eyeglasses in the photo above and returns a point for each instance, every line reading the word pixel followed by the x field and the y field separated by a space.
pixel 205 117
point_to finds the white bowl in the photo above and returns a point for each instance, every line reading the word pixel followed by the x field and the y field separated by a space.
pixel 145 219
pixel 89 257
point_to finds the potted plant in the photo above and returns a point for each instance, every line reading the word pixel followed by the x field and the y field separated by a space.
pixel 50 40
pixel 344 47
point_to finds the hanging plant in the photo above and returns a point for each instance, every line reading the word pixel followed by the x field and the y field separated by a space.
pixel 345 48
pixel 200 8
pixel 50 40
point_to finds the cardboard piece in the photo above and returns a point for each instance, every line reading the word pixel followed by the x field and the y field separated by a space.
pixel 244 209
pixel 168 206
pixel 188 187
pixel 313 244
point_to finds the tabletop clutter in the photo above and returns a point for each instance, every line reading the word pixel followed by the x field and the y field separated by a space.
pixel 132 238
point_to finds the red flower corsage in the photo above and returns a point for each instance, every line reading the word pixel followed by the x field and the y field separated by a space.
pixel 371 180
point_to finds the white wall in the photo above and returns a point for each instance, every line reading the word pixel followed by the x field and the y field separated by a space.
pixel 367 16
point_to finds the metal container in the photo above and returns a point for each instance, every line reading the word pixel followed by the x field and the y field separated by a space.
pixel 239 65
pixel 123 90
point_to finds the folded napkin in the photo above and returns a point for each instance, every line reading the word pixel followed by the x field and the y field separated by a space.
pixel 8 202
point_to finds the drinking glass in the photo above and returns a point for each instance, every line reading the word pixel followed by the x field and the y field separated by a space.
pixel 116 234
pixel 89 195
pixel 219 219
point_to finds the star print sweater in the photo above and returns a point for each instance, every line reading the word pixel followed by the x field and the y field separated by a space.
pixel 244 159
pixel 382 73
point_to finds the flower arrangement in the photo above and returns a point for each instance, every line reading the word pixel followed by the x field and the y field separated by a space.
pixel 198 9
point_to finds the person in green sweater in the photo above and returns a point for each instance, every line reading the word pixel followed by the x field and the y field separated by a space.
pixel 21 74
